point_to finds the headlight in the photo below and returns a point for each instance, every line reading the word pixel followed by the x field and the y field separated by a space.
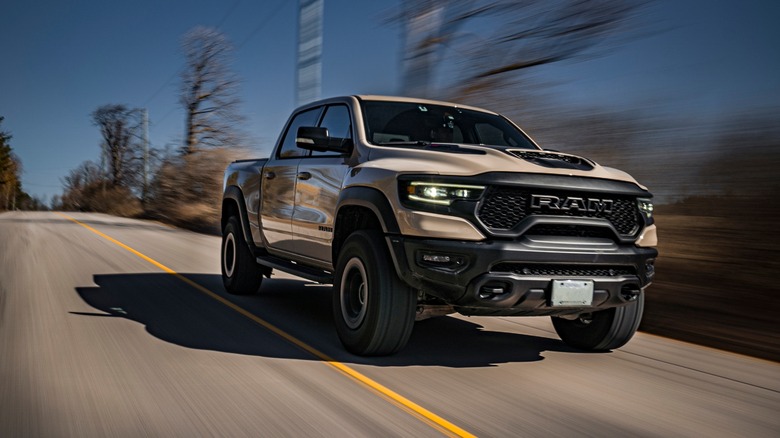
pixel 646 207
pixel 441 194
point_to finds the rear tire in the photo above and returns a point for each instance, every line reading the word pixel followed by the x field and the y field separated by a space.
pixel 373 309
pixel 603 330
pixel 241 274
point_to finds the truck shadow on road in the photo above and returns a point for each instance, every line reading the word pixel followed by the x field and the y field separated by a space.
pixel 176 312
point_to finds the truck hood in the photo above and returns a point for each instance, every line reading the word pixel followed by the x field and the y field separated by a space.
pixel 469 160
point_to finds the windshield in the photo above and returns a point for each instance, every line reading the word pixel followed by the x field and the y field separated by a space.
pixel 408 123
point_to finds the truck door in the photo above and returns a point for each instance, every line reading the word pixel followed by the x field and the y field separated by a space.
pixel 278 184
pixel 319 180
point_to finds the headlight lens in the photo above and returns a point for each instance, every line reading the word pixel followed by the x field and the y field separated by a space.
pixel 646 207
pixel 441 194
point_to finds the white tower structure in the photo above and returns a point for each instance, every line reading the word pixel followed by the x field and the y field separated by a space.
pixel 309 72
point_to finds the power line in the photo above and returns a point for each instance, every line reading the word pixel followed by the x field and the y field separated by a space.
pixel 168 82
pixel 157 122
pixel 251 35
pixel 229 13
pixel 262 24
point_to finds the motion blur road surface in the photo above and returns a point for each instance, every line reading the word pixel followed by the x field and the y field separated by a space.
pixel 99 340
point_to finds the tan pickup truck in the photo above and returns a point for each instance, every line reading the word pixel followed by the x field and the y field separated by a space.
pixel 414 208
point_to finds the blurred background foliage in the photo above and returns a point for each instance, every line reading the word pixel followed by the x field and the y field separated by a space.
pixel 716 194
pixel 715 182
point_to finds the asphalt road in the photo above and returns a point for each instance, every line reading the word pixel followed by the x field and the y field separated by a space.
pixel 99 339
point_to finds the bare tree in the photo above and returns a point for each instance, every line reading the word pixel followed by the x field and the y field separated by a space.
pixel 120 129
pixel 186 187
pixel 85 174
pixel 85 177
pixel 489 39
pixel 209 91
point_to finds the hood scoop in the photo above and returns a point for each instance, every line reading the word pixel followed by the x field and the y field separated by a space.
pixel 555 160
pixel 453 149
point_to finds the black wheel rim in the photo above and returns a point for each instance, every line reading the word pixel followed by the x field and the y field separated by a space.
pixel 353 293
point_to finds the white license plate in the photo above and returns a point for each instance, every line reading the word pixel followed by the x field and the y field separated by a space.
pixel 571 293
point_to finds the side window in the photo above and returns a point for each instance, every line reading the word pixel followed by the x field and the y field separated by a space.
pixel 306 118
pixel 339 125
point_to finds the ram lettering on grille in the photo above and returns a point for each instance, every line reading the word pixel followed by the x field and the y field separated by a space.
pixel 591 205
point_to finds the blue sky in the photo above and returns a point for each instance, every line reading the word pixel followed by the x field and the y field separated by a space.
pixel 62 59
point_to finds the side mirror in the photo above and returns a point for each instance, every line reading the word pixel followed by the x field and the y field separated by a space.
pixel 312 138
pixel 317 139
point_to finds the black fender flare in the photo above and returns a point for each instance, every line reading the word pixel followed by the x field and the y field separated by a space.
pixel 374 200
pixel 234 194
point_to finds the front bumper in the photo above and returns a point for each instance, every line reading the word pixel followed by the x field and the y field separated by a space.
pixel 515 277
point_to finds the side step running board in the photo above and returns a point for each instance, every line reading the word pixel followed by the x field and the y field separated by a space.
pixel 313 274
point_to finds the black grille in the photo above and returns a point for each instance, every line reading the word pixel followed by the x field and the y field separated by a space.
pixel 625 216
pixel 504 208
pixel 564 270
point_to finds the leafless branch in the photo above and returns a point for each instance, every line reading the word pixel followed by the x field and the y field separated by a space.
pixel 209 91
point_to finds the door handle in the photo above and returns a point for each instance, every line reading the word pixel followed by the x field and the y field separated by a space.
pixel 304 175
pixel 269 175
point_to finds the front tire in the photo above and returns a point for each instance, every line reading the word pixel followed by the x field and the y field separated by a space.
pixel 241 274
pixel 603 330
pixel 373 309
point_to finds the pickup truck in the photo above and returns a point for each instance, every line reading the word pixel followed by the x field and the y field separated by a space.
pixel 415 208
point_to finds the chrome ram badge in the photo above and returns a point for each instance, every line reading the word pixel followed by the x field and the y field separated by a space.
pixel 585 205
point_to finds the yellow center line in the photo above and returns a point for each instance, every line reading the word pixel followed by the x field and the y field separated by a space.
pixel 407 405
